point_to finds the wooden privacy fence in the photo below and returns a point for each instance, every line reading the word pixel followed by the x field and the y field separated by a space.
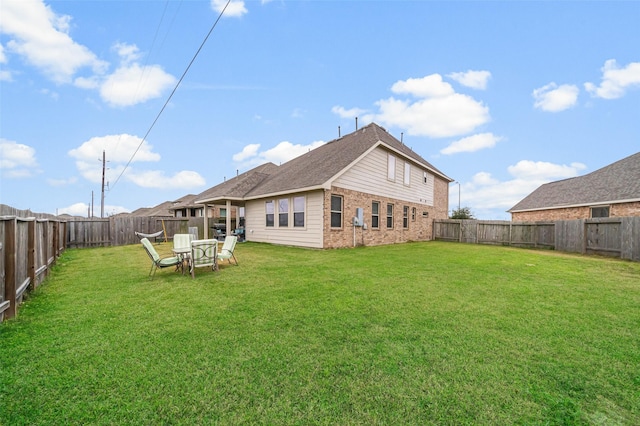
pixel 617 237
pixel 28 248
pixel 120 230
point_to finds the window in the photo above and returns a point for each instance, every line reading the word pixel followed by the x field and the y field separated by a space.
pixel 391 167
pixel 223 213
pixel 298 211
pixel 269 208
pixel 283 212
pixel 413 214
pixel 407 174
pixel 600 211
pixel 336 211
pixel 389 215
pixel 405 216
pixel 375 214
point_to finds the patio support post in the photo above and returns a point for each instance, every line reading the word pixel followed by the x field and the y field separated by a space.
pixel 228 218
pixel 206 221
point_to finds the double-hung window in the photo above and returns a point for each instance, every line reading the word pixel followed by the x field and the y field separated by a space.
pixel 336 211
pixel 375 214
pixel 270 211
pixel 389 216
pixel 405 216
pixel 283 212
pixel 298 211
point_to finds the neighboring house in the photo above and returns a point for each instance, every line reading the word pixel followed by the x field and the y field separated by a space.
pixel 611 191
pixel 161 210
pixel 312 200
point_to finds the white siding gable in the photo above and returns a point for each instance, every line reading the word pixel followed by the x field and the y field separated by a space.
pixel 369 175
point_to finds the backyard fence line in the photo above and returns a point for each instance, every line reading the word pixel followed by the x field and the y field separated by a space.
pixel 616 237
pixel 120 230
pixel 28 249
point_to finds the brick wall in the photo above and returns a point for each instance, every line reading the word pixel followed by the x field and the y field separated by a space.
pixel 420 225
pixel 616 210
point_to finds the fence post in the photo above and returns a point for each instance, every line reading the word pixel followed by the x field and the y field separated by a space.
pixel 56 242
pixel 10 266
pixel 31 253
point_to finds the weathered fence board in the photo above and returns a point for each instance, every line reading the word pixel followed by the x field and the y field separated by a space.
pixel 619 237
pixel 28 246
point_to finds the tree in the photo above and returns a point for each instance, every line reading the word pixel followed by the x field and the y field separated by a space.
pixel 462 213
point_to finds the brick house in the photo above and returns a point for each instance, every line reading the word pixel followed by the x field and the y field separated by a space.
pixel 612 191
pixel 365 188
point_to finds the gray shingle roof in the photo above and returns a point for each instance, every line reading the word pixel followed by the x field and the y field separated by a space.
pixel 318 166
pixel 238 186
pixel 616 182
pixel 312 169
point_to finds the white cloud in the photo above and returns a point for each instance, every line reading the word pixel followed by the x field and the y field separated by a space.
pixel 430 86
pixel 615 80
pixel 17 160
pixel 489 196
pixel 235 7
pixel 544 171
pixel 133 84
pixel 473 79
pixel 347 113
pixel 41 38
pixel 437 112
pixel 554 98
pixel 119 149
pixel 248 151
pixel 128 53
pixel 251 155
pixel 472 143
pixel 158 179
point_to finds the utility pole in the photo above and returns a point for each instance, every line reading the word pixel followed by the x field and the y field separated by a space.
pixel 102 200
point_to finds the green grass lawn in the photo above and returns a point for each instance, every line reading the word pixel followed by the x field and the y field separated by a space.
pixel 418 333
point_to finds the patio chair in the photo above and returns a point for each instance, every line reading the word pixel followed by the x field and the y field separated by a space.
pixel 182 248
pixel 226 252
pixel 156 261
pixel 204 253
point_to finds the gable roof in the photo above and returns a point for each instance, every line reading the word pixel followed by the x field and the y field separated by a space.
pixel 615 183
pixel 314 169
pixel 318 167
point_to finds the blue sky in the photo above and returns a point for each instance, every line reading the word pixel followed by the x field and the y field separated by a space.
pixel 500 96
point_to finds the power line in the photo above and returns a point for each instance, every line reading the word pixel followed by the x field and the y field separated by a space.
pixel 172 93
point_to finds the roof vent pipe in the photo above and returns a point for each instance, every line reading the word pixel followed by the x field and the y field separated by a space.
pixel 338 132
pixel 402 137
pixel 356 124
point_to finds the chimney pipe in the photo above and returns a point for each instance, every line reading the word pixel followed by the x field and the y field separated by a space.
pixel 338 132
pixel 356 124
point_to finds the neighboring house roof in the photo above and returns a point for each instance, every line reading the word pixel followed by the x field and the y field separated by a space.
pixel 314 169
pixel 157 211
pixel 184 202
pixel 616 183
